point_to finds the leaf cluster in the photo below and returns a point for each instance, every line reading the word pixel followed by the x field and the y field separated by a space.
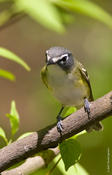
pixel 7 54
pixel 53 14
pixel 13 115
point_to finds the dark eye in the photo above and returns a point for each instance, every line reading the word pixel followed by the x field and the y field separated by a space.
pixel 64 59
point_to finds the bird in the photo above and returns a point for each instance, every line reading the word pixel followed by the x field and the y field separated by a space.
pixel 68 81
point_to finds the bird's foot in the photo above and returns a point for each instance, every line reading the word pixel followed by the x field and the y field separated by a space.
pixel 59 124
pixel 87 107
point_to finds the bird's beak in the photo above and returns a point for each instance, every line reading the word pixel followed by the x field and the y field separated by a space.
pixel 49 62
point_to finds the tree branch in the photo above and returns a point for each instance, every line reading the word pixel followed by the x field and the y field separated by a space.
pixel 33 164
pixel 49 136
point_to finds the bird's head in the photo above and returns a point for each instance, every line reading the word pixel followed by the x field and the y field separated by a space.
pixel 61 57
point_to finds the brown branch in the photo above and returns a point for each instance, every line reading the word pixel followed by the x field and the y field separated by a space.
pixel 49 137
pixel 34 163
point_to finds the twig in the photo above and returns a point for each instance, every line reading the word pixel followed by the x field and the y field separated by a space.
pixel 49 137
pixel 52 169
pixel 13 19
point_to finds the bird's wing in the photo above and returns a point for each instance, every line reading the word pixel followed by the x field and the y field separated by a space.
pixel 97 125
pixel 85 76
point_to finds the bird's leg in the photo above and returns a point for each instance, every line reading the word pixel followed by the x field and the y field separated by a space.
pixel 87 106
pixel 59 120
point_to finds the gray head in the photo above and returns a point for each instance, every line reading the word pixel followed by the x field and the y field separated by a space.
pixel 60 56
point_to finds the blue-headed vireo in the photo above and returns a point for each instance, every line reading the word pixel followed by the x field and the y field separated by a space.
pixel 68 80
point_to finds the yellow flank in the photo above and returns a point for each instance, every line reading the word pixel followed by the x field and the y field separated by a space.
pixel 85 84
pixel 83 79
pixel 81 82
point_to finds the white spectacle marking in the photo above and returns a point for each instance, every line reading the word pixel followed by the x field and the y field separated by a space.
pixel 65 55
pixel 55 59
pixel 48 57
pixel 46 51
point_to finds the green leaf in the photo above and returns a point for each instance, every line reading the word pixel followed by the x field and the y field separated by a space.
pixel 14 118
pixel 5 16
pixel 7 75
pixel 66 17
pixel 79 134
pixel 11 56
pixel 70 151
pixel 25 135
pixel 43 12
pixel 3 0
pixel 3 135
pixel 61 167
pixel 77 169
pixel 68 111
pixel 87 8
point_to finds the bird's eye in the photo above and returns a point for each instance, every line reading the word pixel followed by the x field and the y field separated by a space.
pixel 64 59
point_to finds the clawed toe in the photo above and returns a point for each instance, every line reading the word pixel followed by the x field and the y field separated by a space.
pixel 87 106
pixel 59 124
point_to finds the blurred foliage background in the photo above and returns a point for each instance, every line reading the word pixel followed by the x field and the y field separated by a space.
pixel 88 39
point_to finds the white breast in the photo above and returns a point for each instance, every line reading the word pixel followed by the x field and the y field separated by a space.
pixel 64 88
